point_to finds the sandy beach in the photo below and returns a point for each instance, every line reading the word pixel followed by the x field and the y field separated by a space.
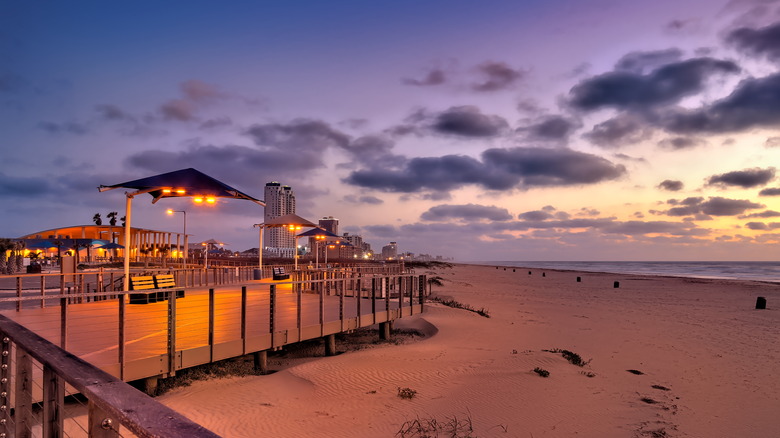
pixel 665 357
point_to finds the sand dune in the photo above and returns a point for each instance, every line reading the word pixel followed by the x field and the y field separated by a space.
pixel 707 358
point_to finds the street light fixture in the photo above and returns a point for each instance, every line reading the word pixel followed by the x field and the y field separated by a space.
pixel 186 245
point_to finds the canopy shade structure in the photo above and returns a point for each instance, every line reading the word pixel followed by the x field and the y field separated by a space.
pixel 317 232
pixel 179 183
pixel 111 245
pixel 291 221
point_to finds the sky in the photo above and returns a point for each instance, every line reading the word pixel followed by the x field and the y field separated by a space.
pixel 491 130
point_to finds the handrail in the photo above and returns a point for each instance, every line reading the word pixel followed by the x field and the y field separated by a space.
pixel 110 399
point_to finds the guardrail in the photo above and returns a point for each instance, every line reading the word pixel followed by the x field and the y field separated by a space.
pixel 110 402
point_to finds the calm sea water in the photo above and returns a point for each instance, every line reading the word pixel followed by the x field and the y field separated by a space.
pixel 763 271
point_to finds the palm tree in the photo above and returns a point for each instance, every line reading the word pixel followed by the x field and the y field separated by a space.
pixel 112 218
pixel 5 245
pixel 20 246
pixel 435 280
pixel 97 219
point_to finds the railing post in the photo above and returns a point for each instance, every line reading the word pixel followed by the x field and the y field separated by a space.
pixel 122 334
pixel 5 386
pixel 100 425
pixel 243 319
pixel 271 312
pixel 64 323
pixel 212 319
pixel 43 291
pixel 373 299
pixel 53 401
pixel 298 311
pixel 387 296
pixel 172 333
pixel 23 401
pixel 18 293
pixel 341 305
pixel 359 296
pixel 322 308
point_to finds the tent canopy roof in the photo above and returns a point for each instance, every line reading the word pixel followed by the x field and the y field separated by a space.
pixel 180 183
pixel 289 219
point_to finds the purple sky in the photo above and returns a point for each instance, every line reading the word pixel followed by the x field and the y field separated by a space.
pixel 491 130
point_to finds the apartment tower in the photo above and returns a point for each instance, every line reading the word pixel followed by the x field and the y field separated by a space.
pixel 279 201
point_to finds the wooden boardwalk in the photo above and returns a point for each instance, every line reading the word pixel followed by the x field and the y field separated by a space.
pixel 208 325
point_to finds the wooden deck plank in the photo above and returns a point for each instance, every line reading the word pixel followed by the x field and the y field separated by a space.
pixel 93 327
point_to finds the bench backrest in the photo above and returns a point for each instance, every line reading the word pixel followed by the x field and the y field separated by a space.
pixel 164 281
pixel 142 282
pixel 278 271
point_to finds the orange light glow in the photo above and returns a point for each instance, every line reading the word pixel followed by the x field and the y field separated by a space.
pixel 169 211
pixel 211 200
pixel 197 200
pixel 166 190
pixel 181 191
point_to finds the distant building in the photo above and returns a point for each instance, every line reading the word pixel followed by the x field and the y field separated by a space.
pixel 390 252
pixel 279 201
pixel 330 223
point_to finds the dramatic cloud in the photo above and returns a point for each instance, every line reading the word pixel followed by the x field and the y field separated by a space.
pixel 434 77
pixel 236 163
pixel 663 86
pixel 112 112
pixel 64 128
pixel 466 212
pixel 497 76
pixel 535 216
pixel 763 215
pixel 754 103
pixel 198 91
pixel 372 148
pixel 746 179
pixel 760 42
pixel 643 62
pixel 371 200
pixel 553 127
pixel 774 191
pixel 714 206
pixel 300 135
pixel 677 143
pixel 16 187
pixel 178 109
pixel 468 121
pixel 772 142
pixel 618 131
pixel 671 185
pixel 500 169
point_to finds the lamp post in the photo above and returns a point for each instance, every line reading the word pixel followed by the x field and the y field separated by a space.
pixel 186 246
pixel 206 259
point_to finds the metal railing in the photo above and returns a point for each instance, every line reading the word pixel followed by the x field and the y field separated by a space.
pixel 110 403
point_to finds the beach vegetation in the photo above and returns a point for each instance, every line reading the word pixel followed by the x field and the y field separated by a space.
pixel 542 372
pixel 573 358
pixel 406 393
pixel 637 372
pixel 453 427
pixel 588 373
pixel 449 302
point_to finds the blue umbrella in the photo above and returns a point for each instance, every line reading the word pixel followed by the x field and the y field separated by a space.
pixel 111 245
pixel 42 244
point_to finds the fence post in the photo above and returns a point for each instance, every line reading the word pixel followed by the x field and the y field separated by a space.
pixel 341 305
pixel 122 335
pixel 359 295
pixel 100 425
pixel 43 291
pixel 172 333
pixel 243 319
pixel 387 296
pixel 18 293
pixel 5 384
pixel 53 401
pixel 64 323
pixel 212 308
pixel 298 311
pixel 423 281
pixel 23 402
pixel 373 299
pixel 322 308
pixel 272 310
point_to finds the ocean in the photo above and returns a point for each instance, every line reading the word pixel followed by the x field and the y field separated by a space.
pixel 760 271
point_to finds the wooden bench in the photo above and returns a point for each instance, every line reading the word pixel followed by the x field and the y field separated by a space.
pixel 143 282
pixel 166 281
pixel 152 284
pixel 279 274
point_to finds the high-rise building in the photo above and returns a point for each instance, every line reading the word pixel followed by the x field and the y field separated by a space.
pixel 390 252
pixel 331 224
pixel 279 201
